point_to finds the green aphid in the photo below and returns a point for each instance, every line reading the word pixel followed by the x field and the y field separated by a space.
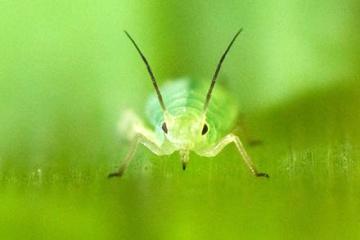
pixel 185 120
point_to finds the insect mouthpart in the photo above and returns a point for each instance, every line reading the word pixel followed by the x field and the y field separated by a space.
pixel 184 154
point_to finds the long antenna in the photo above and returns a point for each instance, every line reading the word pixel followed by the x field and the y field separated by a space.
pixel 153 79
pixel 213 81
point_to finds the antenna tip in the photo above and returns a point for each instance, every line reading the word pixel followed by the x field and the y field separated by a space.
pixel 239 31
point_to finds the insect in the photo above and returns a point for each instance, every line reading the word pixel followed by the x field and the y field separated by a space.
pixel 184 119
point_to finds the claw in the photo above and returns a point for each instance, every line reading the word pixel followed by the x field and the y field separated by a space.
pixel 115 174
pixel 262 175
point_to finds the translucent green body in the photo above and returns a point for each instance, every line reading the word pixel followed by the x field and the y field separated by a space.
pixel 185 117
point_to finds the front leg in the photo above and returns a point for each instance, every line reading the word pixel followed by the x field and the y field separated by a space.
pixel 132 127
pixel 232 138
pixel 139 138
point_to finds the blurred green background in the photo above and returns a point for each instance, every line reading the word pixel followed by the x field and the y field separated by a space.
pixel 67 71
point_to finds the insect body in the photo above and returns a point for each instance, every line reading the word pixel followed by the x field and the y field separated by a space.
pixel 184 120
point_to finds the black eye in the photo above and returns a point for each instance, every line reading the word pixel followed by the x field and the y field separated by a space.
pixel 205 129
pixel 164 127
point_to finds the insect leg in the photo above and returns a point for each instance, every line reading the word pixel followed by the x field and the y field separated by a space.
pixel 232 138
pixel 139 138
pixel 127 160
pixel 132 128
